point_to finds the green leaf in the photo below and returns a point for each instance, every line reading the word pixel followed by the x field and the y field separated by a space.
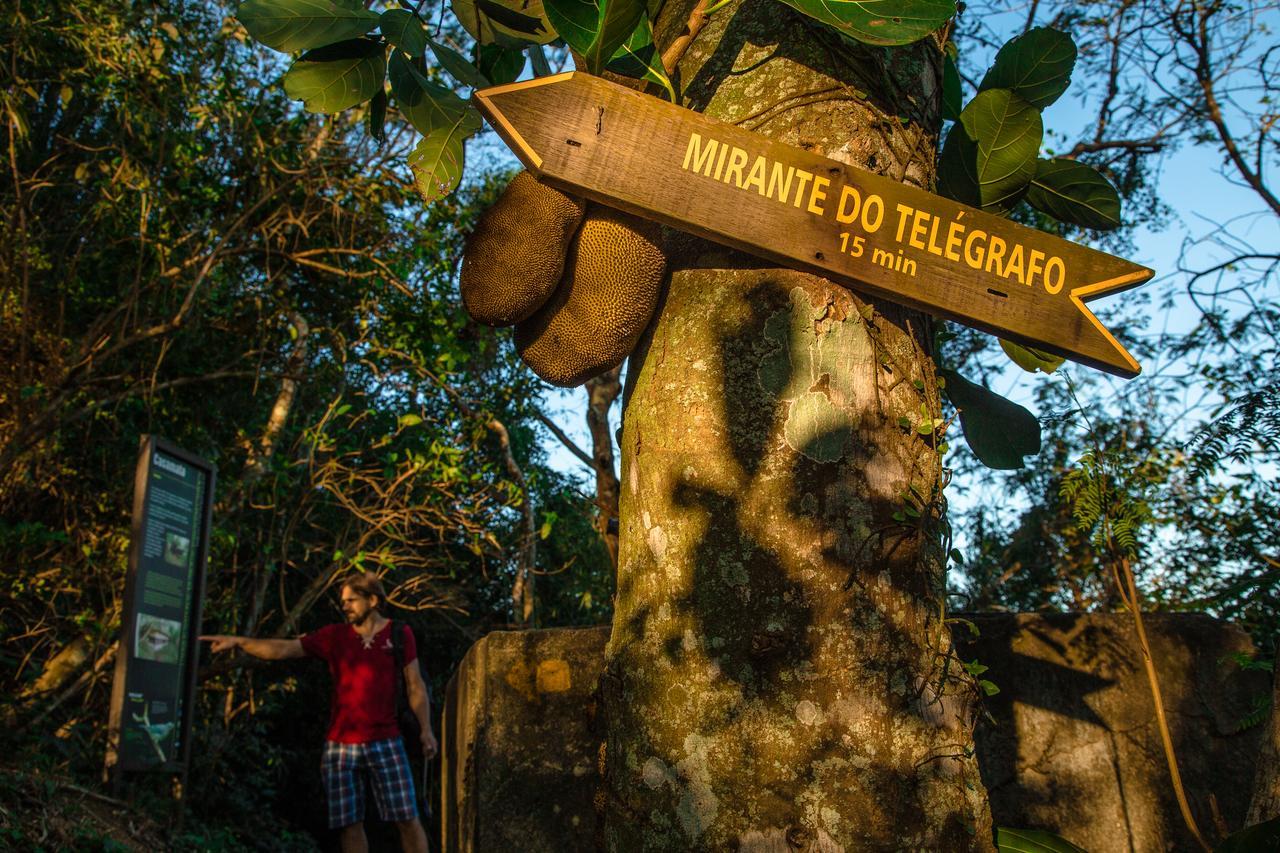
pixel 989 157
pixel 408 421
pixel 975 668
pixel 988 687
pixel 438 159
pixel 404 30
pixel 331 79
pixel 1036 66
pixel 596 29
pixel 500 64
pixel 639 58
pixel 1260 836
pixel 957 176
pixel 377 127
pixel 506 22
pixel 999 431
pixel 1074 192
pixel 457 65
pixel 951 94
pixel 1032 841
pixel 296 25
pixel 1030 359
pixel 426 105
pixel 883 22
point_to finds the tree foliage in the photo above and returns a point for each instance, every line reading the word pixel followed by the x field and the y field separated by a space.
pixel 189 254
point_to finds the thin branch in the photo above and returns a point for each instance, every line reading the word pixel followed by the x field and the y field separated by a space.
pixel 1150 145
pixel 566 440
pixel 676 50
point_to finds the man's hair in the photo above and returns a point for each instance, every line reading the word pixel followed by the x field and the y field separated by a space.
pixel 367 585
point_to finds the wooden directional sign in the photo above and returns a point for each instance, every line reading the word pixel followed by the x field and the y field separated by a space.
pixel 649 157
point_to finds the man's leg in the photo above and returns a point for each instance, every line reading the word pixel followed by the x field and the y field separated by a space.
pixel 352 839
pixel 341 769
pixel 393 792
pixel 413 838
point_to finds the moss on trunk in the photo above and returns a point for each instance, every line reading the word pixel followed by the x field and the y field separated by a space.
pixel 778 676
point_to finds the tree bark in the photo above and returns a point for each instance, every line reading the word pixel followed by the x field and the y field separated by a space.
pixel 601 392
pixel 779 675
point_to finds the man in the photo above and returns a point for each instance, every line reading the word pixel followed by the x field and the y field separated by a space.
pixel 364 736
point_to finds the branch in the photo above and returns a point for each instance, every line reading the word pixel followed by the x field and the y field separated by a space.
pixel 1150 145
pixel 1205 79
pixel 522 593
pixel 566 441
pixel 675 51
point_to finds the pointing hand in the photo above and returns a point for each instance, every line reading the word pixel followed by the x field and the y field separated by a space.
pixel 220 642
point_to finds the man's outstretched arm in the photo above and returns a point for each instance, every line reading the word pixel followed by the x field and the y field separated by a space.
pixel 259 648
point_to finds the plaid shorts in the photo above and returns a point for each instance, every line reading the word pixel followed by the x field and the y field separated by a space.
pixel 344 767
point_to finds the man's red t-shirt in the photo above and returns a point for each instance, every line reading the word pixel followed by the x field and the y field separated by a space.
pixel 363 705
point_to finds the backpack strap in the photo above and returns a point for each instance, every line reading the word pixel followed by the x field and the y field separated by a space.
pixel 397 650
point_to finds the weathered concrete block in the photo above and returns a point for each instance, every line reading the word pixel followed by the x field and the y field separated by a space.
pixel 519 756
pixel 1073 747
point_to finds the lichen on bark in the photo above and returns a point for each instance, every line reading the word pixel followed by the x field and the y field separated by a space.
pixel 777 675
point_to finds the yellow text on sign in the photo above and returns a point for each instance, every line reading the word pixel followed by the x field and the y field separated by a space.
pixel 914 230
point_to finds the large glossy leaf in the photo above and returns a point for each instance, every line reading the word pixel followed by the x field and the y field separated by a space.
pixel 1036 66
pixel 951 94
pixel 1074 192
pixel 507 22
pixel 437 160
pixel 404 30
pixel 957 168
pixel 427 105
pixel 1032 841
pixel 331 79
pixel 998 431
pixel 462 70
pixel 884 22
pixel 639 58
pixel 500 64
pixel 378 116
pixel 296 25
pixel 596 29
pixel 989 157
pixel 1029 359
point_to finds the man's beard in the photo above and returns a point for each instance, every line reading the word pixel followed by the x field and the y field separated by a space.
pixel 359 619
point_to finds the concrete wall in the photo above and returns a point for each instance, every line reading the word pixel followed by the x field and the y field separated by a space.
pixel 1070 746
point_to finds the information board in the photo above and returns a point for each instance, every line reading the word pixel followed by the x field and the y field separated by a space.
pixel 153 692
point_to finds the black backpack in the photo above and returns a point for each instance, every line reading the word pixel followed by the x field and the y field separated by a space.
pixel 410 730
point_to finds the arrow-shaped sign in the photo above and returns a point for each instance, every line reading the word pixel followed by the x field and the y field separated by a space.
pixel 646 156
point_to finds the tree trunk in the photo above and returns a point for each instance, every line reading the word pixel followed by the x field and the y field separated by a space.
pixel 779 675
pixel 601 392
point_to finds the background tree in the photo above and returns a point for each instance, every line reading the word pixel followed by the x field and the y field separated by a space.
pixel 1162 79
pixel 187 253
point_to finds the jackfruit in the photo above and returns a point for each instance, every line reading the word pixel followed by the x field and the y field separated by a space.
pixel 515 257
pixel 613 276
